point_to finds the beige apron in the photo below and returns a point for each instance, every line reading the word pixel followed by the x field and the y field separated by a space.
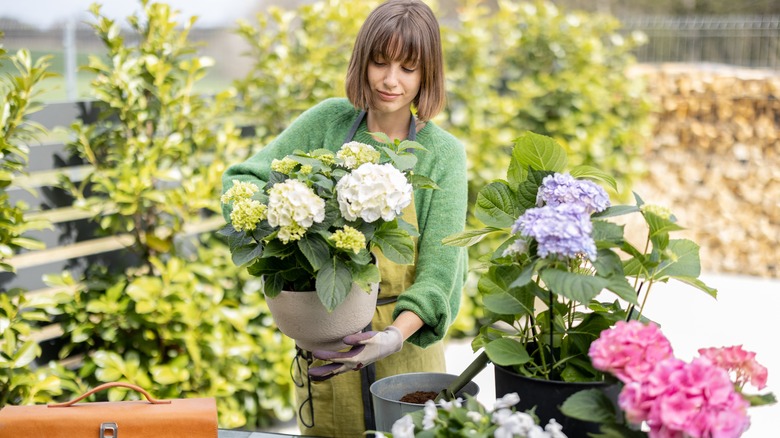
pixel 337 404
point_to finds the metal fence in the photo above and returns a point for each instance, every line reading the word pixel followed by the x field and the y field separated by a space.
pixel 751 41
pixel 741 40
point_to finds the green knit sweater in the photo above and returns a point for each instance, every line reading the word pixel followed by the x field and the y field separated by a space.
pixel 441 270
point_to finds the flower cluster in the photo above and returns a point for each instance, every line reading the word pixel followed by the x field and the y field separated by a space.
pixel 742 364
pixel 293 207
pixel 247 212
pixel 354 154
pixel 564 189
pixel 349 238
pixel 313 224
pixel 373 191
pixel 675 398
pixel 563 231
pixel 469 418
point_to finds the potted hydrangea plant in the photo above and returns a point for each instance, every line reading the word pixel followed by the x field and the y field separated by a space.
pixel 663 396
pixel 313 227
pixel 563 271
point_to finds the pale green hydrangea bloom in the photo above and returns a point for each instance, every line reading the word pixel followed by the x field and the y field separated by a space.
pixel 239 191
pixel 246 214
pixel 306 169
pixel 285 165
pixel 291 232
pixel 349 238
pixel 354 154
pixel 660 211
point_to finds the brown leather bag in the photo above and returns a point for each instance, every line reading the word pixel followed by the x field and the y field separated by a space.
pixel 188 417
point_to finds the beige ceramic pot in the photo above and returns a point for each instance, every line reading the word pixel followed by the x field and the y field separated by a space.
pixel 302 317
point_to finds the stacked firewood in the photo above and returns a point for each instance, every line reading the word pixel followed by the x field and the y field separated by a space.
pixel 714 160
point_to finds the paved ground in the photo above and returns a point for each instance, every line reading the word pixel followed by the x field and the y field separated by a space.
pixel 747 312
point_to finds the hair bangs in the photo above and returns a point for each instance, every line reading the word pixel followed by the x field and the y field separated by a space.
pixel 401 45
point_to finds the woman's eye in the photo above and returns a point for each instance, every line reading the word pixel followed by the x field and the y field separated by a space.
pixel 409 69
pixel 378 62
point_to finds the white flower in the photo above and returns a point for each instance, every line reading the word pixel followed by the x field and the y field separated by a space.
pixel 403 427
pixel 449 405
pixel 372 191
pixel 430 414
pixel 476 417
pixel 354 154
pixel 293 204
pixel 554 429
pixel 519 246
pixel 501 416
pixel 507 401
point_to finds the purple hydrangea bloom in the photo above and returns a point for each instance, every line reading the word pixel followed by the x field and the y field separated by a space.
pixel 563 230
pixel 562 188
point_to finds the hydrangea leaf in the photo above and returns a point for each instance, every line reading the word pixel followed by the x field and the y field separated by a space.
pixel 539 152
pixel 497 205
pixel 315 249
pixel 507 352
pixel 593 173
pixel 577 287
pixel 334 281
pixel 589 405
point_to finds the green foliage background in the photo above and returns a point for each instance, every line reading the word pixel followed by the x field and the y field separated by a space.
pixel 182 320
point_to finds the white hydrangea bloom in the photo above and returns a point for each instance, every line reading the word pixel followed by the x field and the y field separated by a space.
pixel 292 203
pixel 354 154
pixel 403 427
pixel 373 191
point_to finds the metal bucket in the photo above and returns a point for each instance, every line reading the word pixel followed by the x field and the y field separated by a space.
pixel 386 394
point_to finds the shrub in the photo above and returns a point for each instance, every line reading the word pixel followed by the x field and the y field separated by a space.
pixel 176 316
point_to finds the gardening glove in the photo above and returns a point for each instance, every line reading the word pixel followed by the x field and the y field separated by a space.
pixel 368 347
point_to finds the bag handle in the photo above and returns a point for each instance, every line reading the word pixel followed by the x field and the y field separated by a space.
pixel 105 386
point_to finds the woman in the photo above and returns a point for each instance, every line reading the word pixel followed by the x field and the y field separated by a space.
pixel 396 66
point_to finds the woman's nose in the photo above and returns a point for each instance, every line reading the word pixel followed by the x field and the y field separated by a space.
pixel 391 77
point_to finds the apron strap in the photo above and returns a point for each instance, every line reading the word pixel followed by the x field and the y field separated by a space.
pixel 368 373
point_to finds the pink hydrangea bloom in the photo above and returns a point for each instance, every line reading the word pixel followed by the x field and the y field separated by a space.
pixel 694 399
pixel 630 350
pixel 740 362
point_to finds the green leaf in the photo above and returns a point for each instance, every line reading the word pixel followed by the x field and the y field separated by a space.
pixel 402 162
pixel 760 399
pixel 497 205
pixel 365 275
pixel 422 182
pixel 539 152
pixel 659 225
pixel 680 259
pixel 589 405
pixel 577 287
pixel 334 281
pixel 505 303
pixel 528 190
pixel 507 352
pixel 620 286
pixel 395 244
pixel 616 210
pixel 469 237
pixel 315 249
pixel 584 171
pixel 246 254
pixel 698 284
pixel 26 354
pixel 606 234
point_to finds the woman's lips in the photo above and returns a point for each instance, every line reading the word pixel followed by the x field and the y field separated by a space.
pixel 387 96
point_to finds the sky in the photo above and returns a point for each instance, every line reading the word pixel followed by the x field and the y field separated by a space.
pixel 44 13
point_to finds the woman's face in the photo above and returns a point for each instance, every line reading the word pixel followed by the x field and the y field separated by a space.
pixel 394 85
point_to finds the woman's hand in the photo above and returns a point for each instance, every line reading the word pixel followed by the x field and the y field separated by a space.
pixel 368 347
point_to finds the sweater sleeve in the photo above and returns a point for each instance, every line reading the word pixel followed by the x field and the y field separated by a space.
pixel 307 132
pixel 441 269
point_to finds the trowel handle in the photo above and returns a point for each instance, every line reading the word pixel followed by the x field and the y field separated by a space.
pixel 465 377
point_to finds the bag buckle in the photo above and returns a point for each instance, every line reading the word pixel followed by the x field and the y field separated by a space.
pixel 111 428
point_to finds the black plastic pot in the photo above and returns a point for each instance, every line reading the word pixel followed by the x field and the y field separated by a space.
pixel 548 395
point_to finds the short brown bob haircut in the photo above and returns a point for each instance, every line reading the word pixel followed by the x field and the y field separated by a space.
pixel 405 31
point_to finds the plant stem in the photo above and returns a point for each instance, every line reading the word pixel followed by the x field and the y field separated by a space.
pixel 552 325
pixel 647 293
pixel 631 307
